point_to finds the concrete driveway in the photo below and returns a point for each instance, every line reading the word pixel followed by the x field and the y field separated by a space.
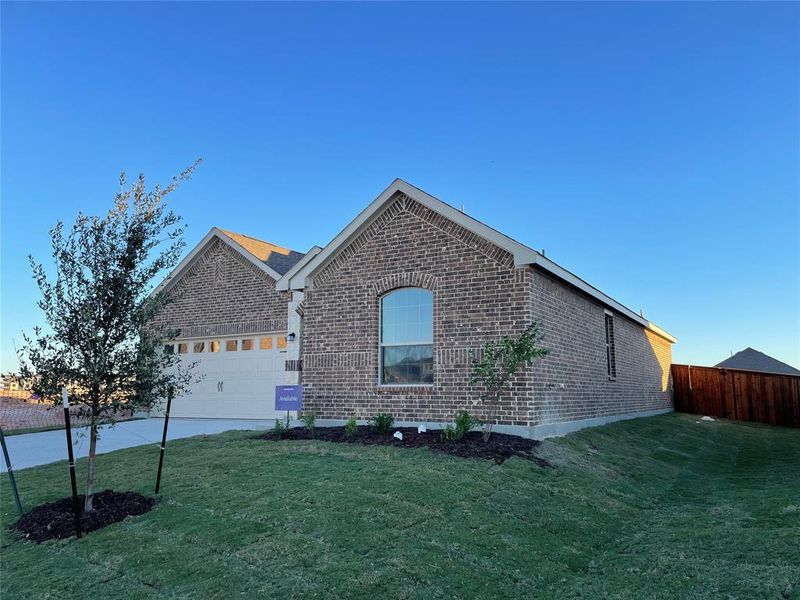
pixel 32 449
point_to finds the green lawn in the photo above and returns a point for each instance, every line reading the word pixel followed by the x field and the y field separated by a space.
pixel 654 508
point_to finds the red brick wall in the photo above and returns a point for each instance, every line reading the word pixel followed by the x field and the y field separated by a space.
pixel 224 294
pixel 572 382
pixel 477 293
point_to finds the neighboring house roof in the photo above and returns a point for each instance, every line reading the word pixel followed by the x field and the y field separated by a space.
pixel 274 260
pixel 753 360
pixel 523 255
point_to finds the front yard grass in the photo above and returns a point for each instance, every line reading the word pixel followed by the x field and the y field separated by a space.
pixel 664 507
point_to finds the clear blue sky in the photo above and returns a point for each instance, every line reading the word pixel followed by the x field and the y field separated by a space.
pixel 651 148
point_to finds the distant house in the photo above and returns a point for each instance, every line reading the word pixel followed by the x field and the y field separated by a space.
pixel 9 383
pixel 753 360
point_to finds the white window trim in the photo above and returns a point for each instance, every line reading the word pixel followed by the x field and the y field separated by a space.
pixel 381 345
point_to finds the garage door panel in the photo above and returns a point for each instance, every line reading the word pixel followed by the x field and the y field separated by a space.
pixel 248 379
pixel 236 367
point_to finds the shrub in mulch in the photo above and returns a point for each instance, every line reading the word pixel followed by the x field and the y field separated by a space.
pixel 499 447
pixel 56 520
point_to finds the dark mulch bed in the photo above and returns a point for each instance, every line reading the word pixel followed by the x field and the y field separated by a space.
pixel 56 520
pixel 499 447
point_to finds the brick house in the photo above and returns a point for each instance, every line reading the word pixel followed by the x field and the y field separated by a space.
pixel 384 319
pixel 232 323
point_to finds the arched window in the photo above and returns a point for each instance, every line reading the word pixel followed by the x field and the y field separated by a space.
pixel 406 337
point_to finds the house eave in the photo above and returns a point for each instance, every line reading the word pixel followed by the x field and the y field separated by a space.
pixel 285 282
pixel 523 255
pixel 573 280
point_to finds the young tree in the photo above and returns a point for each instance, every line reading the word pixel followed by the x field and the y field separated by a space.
pixel 494 369
pixel 99 307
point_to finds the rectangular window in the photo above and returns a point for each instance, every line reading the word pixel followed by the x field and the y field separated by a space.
pixel 265 343
pixel 231 345
pixel 169 348
pixel 281 342
pixel 199 347
pixel 183 348
pixel 611 355
pixel 247 345
pixel 407 364
pixel 214 346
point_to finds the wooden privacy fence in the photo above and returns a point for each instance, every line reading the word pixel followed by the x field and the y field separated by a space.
pixel 737 394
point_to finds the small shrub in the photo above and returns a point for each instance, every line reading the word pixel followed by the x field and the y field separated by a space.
pixel 382 422
pixel 350 428
pixel 309 419
pixel 448 434
pixel 464 423
pixel 280 429
pixel 494 368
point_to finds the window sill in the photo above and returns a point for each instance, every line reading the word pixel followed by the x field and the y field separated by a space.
pixel 425 388
pixel 405 385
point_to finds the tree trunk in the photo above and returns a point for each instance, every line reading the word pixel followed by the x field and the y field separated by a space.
pixel 491 414
pixel 87 503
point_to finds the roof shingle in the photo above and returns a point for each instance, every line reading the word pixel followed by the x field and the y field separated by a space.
pixel 277 258
pixel 753 360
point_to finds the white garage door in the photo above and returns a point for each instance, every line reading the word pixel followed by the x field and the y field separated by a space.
pixel 239 375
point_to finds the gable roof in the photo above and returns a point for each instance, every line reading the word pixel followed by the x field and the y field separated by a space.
pixel 279 259
pixel 753 360
pixel 273 260
pixel 523 255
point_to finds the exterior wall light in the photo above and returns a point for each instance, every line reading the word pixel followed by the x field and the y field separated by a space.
pixel 290 337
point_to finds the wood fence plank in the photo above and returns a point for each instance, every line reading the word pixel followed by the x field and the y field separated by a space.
pixel 737 394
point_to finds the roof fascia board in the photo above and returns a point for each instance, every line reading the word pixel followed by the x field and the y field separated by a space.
pixel 170 279
pixel 302 278
pixel 285 282
pixel 548 265
pixel 520 252
pixel 523 255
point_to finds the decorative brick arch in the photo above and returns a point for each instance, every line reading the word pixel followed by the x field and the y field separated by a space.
pixel 406 204
pixel 401 280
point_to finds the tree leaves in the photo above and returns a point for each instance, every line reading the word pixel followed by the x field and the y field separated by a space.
pixel 497 364
pixel 99 306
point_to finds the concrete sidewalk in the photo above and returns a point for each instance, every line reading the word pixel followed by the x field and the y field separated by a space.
pixel 32 449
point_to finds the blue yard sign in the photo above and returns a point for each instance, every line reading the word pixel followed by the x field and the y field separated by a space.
pixel 288 397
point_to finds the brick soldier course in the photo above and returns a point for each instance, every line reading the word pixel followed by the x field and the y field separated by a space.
pixel 483 285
